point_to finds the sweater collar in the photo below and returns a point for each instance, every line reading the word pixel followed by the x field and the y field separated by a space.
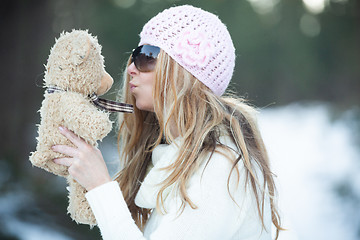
pixel 162 156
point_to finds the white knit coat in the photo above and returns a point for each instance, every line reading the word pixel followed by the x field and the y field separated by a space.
pixel 217 216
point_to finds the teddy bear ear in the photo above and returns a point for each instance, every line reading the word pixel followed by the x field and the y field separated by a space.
pixel 80 49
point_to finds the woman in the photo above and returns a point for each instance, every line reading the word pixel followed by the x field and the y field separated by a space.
pixel 194 163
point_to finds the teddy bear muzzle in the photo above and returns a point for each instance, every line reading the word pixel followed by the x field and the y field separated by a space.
pixel 106 83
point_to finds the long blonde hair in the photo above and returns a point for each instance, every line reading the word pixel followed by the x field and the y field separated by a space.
pixel 200 116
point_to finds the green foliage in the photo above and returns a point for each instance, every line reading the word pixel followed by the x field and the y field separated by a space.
pixel 276 61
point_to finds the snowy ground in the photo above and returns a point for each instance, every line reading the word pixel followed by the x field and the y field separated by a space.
pixel 311 154
pixel 12 225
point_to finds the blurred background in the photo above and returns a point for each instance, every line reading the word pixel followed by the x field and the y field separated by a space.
pixel 298 61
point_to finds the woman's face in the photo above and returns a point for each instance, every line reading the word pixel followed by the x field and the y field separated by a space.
pixel 141 87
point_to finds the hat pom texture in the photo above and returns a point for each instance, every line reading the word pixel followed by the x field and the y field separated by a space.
pixel 197 40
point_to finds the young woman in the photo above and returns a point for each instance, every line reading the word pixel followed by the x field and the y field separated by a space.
pixel 194 164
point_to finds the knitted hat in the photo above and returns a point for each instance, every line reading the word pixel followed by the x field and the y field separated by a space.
pixel 197 40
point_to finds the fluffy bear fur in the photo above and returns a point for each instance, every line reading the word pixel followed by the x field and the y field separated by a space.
pixel 75 64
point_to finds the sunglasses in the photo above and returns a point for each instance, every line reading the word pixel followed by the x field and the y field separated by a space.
pixel 144 57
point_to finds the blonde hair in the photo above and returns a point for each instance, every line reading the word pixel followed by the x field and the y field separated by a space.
pixel 200 116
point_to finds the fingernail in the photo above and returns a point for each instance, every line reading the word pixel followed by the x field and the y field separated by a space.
pixel 61 128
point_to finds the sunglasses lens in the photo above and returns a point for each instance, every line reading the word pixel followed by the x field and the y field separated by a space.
pixel 144 57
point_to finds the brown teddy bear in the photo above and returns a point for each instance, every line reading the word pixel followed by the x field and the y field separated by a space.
pixel 74 77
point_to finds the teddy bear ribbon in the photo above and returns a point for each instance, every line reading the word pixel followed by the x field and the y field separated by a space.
pixel 109 105
pixel 101 103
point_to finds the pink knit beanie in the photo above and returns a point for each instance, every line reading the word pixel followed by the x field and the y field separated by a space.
pixel 197 40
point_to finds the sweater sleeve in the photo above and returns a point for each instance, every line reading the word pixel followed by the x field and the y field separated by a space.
pixel 112 214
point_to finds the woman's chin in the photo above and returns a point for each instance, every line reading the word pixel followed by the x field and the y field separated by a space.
pixel 145 107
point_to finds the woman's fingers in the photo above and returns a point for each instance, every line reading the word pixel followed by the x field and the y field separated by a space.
pixel 85 162
pixel 69 151
pixel 72 137
pixel 64 161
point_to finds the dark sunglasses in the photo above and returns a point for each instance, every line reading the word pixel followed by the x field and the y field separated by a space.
pixel 144 57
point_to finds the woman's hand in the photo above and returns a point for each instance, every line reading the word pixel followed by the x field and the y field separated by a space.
pixel 85 162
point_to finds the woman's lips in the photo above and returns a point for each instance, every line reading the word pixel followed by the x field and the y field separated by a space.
pixel 132 86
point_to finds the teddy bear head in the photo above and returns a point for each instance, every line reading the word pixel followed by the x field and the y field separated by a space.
pixel 75 64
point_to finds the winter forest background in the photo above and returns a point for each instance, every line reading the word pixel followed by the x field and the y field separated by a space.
pixel 297 60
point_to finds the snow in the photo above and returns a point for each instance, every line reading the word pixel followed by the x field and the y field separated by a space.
pixel 310 154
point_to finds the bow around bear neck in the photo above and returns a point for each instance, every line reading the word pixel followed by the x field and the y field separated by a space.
pixel 104 104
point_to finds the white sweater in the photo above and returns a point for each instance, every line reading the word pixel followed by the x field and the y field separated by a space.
pixel 217 216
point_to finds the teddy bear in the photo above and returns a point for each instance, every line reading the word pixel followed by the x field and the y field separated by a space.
pixel 74 77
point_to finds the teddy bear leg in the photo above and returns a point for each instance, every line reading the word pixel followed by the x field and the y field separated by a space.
pixel 44 160
pixel 79 209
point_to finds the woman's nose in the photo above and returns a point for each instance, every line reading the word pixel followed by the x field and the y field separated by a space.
pixel 132 70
